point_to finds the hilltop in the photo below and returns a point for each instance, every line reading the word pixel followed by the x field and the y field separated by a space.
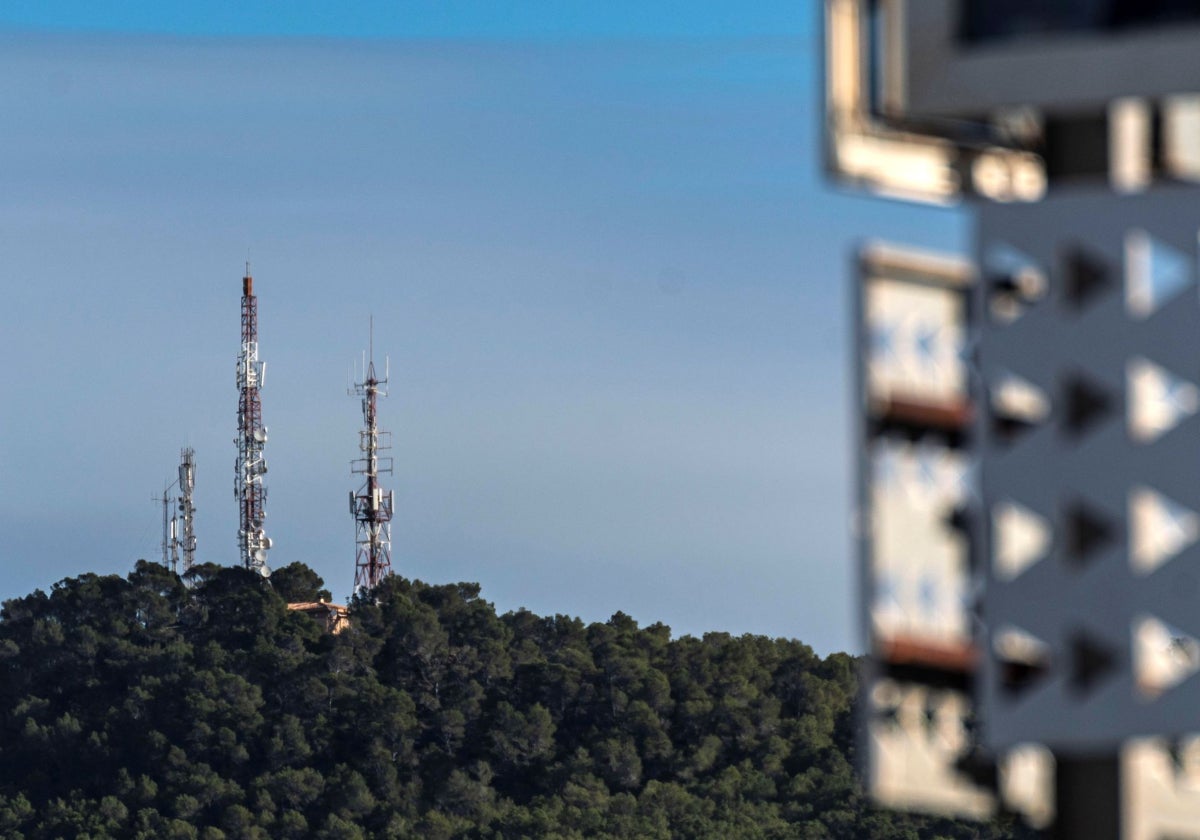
pixel 141 707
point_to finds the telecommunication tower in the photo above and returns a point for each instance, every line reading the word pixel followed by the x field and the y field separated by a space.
pixel 170 533
pixel 185 533
pixel 251 466
pixel 372 506
pixel 178 531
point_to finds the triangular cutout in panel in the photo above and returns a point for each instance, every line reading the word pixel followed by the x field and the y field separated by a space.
pixel 1084 404
pixel 1017 407
pixel 959 519
pixel 1158 400
pixel 1092 661
pixel 1087 533
pixel 1086 277
pixel 1023 659
pixel 1163 656
pixel 1159 529
pixel 1003 258
pixel 1021 539
pixel 1008 429
pixel 1026 783
pixel 1015 282
pixel 1154 273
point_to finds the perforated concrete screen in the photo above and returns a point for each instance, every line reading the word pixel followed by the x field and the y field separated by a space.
pixel 1029 472
pixel 916 410
pixel 916 342
pixel 920 561
pixel 1090 469
pixel 1160 796
pixel 916 389
pixel 919 547
pixel 917 737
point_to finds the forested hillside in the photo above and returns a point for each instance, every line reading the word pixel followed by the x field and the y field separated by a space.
pixel 137 707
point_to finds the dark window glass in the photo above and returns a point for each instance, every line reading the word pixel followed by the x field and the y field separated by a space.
pixel 996 20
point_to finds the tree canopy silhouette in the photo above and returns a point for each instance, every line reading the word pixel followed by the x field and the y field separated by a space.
pixel 141 707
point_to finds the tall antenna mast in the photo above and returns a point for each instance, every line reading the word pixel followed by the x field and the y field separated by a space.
pixel 169 549
pixel 251 466
pixel 170 541
pixel 186 532
pixel 173 533
pixel 372 506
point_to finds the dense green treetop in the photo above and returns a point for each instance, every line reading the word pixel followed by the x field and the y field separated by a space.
pixel 144 707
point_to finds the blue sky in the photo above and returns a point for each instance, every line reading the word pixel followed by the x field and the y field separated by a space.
pixel 595 243
pixel 446 19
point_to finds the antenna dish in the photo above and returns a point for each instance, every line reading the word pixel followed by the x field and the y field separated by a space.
pixel 260 555
pixel 268 542
pixel 260 435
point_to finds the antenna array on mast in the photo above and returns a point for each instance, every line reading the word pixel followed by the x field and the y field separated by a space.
pixel 170 533
pixel 251 466
pixel 372 506
pixel 178 526
pixel 185 532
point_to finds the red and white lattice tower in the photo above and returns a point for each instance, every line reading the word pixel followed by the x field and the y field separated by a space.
pixel 372 506
pixel 251 466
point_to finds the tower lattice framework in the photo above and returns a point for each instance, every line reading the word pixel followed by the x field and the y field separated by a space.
pixel 372 506
pixel 186 510
pixel 251 466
